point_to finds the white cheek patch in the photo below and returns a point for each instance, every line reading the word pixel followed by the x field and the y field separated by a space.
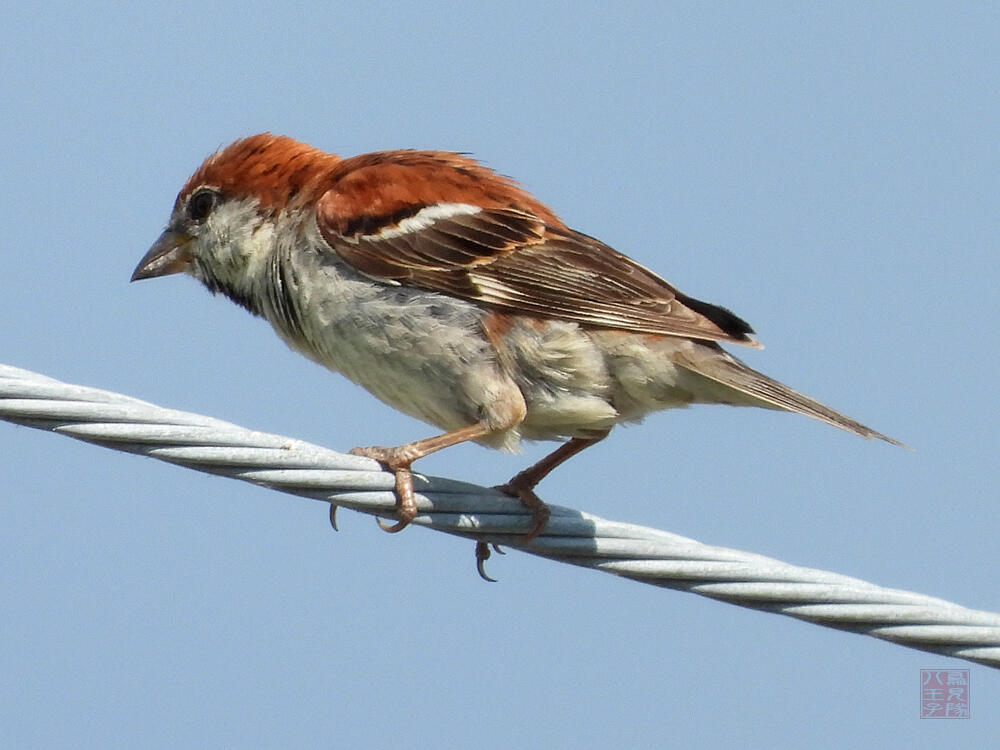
pixel 258 248
pixel 238 234
pixel 424 218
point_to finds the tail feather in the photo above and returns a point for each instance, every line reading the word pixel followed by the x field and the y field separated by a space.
pixel 722 367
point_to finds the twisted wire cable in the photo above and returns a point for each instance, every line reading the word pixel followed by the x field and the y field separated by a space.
pixel 571 536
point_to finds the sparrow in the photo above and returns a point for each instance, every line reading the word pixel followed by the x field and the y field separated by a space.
pixel 450 293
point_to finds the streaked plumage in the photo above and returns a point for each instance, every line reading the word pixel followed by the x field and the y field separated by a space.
pixel 453 295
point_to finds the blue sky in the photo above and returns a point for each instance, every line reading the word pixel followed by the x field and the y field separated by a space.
pixel 829 173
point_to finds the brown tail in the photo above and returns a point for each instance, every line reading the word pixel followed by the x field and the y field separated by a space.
pixel 722 367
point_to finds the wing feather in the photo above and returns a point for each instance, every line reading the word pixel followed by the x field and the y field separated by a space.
pixel 514 261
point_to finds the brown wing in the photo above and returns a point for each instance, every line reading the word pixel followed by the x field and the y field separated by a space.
pixel 513 261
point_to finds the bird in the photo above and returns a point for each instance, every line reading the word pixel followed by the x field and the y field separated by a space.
pixel 450 293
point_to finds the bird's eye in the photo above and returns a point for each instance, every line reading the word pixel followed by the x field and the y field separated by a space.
pixel 201 203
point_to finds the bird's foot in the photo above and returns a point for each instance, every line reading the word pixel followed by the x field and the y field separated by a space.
pixel 540 512
pixel 397 460
pixel 482 555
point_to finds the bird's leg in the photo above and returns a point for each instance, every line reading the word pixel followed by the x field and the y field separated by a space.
pixel 522 486
pixel 398 460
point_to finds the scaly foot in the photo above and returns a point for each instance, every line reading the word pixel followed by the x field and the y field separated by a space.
pixel 540 512
pixel 397 460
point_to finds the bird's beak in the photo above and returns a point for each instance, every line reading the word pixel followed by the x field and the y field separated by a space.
pixel 169 254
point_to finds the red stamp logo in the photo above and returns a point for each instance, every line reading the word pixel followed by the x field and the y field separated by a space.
pixel 944 693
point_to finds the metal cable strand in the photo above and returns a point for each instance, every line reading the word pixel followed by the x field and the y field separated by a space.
pixel 636 552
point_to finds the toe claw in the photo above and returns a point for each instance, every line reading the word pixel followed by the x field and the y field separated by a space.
pixel 482 555
pixel 393 528
pixel 333 517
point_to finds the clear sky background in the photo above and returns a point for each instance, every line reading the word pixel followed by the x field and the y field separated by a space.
pixel 831 173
